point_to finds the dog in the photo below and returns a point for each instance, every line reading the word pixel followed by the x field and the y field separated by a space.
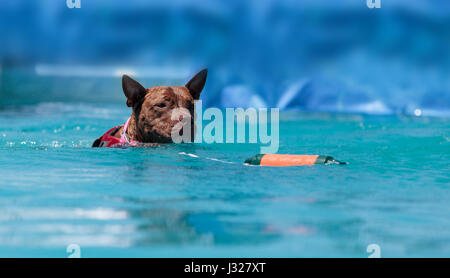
pixel 157 113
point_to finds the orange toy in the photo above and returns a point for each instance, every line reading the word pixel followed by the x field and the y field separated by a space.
pixel 290 160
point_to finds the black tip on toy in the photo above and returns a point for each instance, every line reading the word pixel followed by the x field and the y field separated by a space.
pixel 322 159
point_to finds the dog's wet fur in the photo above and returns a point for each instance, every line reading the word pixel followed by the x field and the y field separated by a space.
pixel 157 110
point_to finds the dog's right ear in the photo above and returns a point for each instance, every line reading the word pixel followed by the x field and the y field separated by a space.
pixel 134 91
pixel 196 84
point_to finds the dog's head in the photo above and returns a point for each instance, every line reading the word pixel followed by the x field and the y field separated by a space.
pixel 160 110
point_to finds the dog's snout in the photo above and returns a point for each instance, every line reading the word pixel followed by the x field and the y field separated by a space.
pixel 180 115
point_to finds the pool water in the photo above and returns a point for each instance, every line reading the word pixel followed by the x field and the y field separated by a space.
pixel 56 190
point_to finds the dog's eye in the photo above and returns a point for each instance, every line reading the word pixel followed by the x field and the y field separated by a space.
pixel 161 104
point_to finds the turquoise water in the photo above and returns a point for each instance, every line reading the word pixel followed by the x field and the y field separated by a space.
pixel 154 202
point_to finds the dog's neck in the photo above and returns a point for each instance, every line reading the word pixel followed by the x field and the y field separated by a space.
pixel 132 130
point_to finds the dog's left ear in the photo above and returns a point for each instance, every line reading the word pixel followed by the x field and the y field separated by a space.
pixel 134 91
pixel 196 84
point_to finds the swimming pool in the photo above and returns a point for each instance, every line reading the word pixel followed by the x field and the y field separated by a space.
pixel 56 190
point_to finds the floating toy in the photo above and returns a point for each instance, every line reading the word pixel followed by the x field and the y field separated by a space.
pixel 291 160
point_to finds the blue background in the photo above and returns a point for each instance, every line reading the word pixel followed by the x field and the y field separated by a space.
pixel 321 55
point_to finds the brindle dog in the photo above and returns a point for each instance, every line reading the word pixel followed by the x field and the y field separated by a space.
pixel 158 111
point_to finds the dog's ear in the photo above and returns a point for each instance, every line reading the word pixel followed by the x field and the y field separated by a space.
pixel 133 91
pixel 196 84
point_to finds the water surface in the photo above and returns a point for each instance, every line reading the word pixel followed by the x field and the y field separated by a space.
pixel 155 202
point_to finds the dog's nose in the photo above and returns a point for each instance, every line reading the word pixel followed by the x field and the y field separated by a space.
pixel 180 115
